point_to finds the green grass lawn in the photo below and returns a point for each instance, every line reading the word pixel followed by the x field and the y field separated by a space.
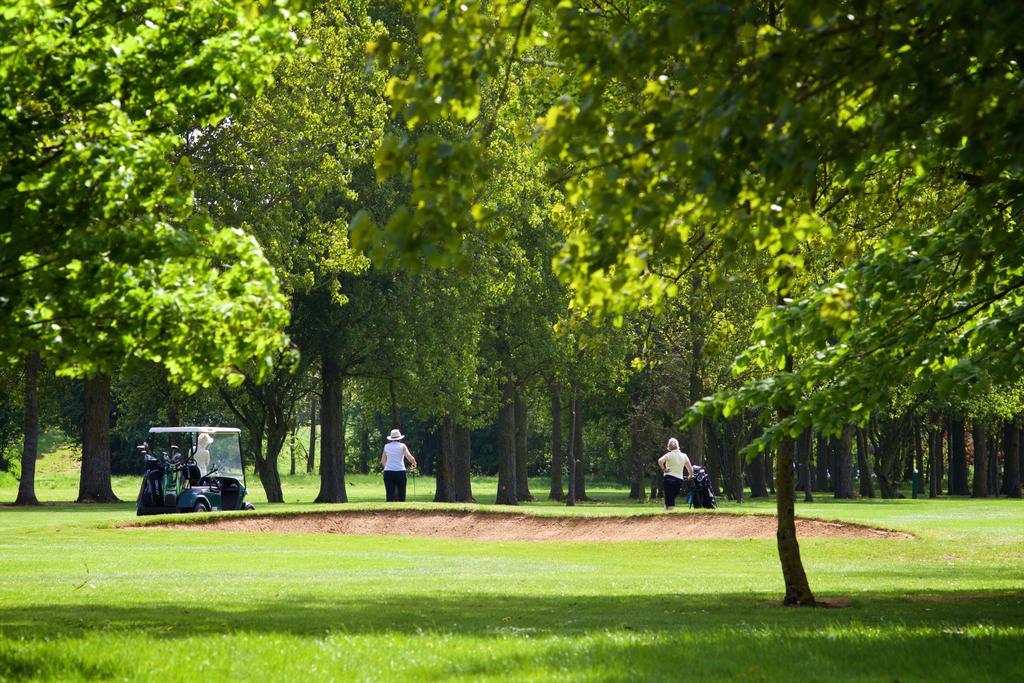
pixel 81 599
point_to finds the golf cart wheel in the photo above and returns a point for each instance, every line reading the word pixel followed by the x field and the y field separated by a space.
pixel 201 506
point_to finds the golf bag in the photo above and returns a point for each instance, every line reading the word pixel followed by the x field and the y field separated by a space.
pixel 152 492
pixel 701 496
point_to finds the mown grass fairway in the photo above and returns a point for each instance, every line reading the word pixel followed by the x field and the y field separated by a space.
pixel 83 600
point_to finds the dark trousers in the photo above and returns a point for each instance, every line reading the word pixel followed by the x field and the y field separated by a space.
pixel 394 486
pixel 673 485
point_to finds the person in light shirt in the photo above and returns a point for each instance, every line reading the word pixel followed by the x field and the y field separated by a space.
pixel 676 467
pixel 393 459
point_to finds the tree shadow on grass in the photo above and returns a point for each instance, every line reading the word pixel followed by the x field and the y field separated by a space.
pixel 638 637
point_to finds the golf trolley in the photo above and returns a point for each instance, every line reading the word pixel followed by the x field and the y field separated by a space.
pixel 200 471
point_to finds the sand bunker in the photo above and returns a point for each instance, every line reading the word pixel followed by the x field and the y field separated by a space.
pixel 483 526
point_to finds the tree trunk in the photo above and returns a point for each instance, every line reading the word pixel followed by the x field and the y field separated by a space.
pixel 935 462
pixel 821 460
pixel 758 485
pixel 332 437
pixel 579 452
pixel 867 485
pixel 957 459
pixel 311 455
pixel 737 460
pixel 522 454
pixel 570 499
pixel 463 484
pixel 30 450
pixel 806 445
pixel 801 456
pixel 444 471
pixel 918 457
pixel 364 445
pixel 1011 460
pixel 712 460
pixel 697 331
pixel 507 448
pixel 266 462
pixel 980 489
pixel 266 470
pixel 993 464
pixel 844 469
pixel 557 492
pixel 638 472
pixel 94 483
pixel 798 590
pixel 291 454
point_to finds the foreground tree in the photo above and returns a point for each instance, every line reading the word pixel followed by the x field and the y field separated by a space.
pixel 756 121
pixel 103 255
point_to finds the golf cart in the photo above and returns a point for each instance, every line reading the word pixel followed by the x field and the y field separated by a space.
pixel 200 470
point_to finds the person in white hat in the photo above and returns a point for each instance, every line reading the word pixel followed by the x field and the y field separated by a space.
pixel 393 459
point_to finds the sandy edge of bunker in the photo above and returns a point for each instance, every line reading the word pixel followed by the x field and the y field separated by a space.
pixel 491 526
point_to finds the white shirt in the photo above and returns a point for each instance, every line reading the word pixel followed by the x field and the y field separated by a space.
pixel 395 452
pixel 675 463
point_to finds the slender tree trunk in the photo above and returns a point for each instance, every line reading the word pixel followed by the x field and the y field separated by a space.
pixel 30 449
pixel 940 463
pixel 364 445
pixel 980 489
pixel 844 469
pixel 934 456
pixel 737 460
pixel 798 590
pixel 715 457
pixel 507 448
pixel 918 456
pixel 463 484
pixel 291 454
pixel 444 473
pixel 332 436
pixel 557 492
pixel 570 499
pixel 958 459
pixel 94 483
pixel 638 487
pixel 821 460
pixel 311 455
pixel 1011 460
pixel 522 453
pixel 993 464
pixel 867 486
pixel 579 452
pixel 801 456
pixel 806 445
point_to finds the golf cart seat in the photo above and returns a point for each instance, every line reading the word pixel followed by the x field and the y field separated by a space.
pixel 194 473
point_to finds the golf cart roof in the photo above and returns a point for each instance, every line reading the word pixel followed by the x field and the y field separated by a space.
pixel 183 430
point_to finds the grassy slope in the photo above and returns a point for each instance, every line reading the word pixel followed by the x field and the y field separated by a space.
pixel 82 600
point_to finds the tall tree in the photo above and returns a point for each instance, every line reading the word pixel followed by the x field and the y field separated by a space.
pixel 981 460
pixel 94 481
pixel 507 448
pixel 557 492
pixel 30 449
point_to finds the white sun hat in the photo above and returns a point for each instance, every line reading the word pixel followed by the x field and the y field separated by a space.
pixel 396 435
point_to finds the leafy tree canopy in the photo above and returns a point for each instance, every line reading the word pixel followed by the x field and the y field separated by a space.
pixel 766 127
pixel 101 252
